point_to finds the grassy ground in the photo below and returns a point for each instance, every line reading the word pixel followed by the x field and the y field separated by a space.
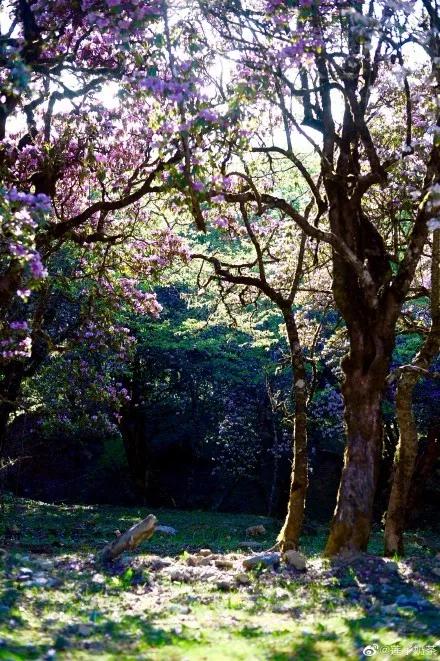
pixel 57 602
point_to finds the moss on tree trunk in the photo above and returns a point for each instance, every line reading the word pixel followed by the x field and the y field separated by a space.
pixel 291 530
pixel 406 452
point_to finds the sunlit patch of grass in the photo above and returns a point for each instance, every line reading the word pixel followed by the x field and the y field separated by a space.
pixel 85 611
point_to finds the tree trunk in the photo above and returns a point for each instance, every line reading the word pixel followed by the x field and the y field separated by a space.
pixel 291 530
pixel 424 469
pixel 351 525
pixel 406 453
pixel 404 462
pixel 13 374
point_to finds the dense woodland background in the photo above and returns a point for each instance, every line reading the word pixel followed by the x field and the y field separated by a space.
pixel 205 426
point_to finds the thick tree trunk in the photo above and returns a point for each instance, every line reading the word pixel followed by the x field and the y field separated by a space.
pixel 406 453
pixel 352 519
pixel 291 530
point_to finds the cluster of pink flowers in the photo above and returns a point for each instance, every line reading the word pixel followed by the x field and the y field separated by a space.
pixel 20 215
pixel 16 342
pixel 108 24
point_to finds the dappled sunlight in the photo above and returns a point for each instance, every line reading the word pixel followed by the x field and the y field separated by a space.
pixel 174 598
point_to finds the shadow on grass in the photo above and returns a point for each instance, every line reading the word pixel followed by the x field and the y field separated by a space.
pixel 312 648
pixel 393 604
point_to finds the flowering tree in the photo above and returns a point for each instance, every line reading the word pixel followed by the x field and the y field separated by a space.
pixel 116 115
pixel 326 72
pixel 77 165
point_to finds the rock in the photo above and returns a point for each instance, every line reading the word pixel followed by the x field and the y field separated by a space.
pixel 295 559
pixel 180 608
pixel 156 563
pixel 436 571
pixel 204 552
pixel 242 579
pixel 25 578
pixel 255 531
pixel 225 585
pixel 180 575
pixel 99 579
pixel 224 563
pixel 391 566
pixel 349 557
pixel 207 573
pixel 25 570
pixel 265 559
pixel 198 561
pixel 281 608
pixel 84 629
pixel 166 530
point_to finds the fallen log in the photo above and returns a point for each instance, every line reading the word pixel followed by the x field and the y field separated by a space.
pixel 129 539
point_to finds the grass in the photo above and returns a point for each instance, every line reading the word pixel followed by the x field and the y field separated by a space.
pixel 56 602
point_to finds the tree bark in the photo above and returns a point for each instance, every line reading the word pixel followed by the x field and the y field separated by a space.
pixel 404 462
pixel 291 530
pixel 371 321
pixel 130 538
pixel 406 453
pixel 351 523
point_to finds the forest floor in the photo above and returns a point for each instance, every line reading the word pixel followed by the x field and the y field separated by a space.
pixel 170 602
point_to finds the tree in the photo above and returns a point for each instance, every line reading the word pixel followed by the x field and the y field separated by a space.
pixel 406 452
pixel 320 66
pixel 272 262
pixel 73 169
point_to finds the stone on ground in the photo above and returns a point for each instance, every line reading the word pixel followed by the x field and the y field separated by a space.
pixel 295 559
pixel 265 559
